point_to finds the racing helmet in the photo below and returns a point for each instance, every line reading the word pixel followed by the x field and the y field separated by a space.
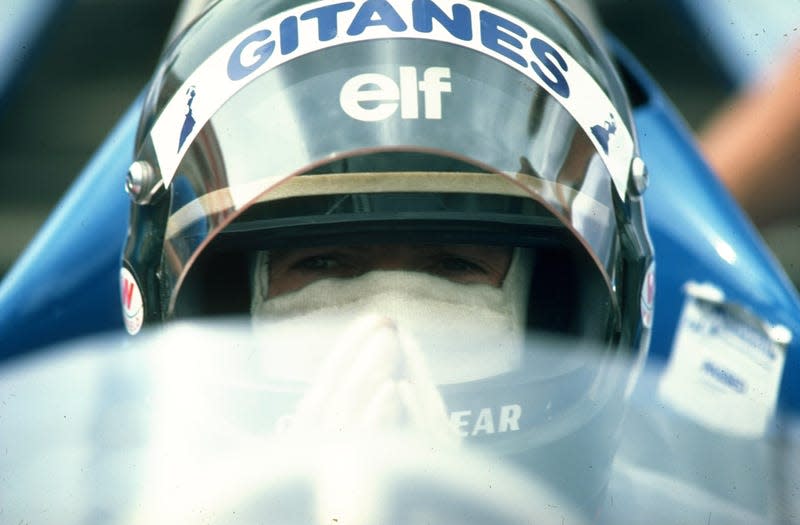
pixel 276 123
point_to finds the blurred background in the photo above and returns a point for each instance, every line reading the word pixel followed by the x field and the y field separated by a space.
pixel 69 92
pixel 98 55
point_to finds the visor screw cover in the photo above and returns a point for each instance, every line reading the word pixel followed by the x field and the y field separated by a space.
pixel 639 176
pixel 139 181
pixel 780 335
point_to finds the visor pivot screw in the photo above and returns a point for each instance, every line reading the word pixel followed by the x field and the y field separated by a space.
pixel 780 335
pixel 140 181
pixel 639 175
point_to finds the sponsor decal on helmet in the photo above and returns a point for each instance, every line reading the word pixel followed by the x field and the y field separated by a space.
pixel 383 95
pixel 188 122
pixel 486 420
pixel 476 422
pixel 603 132
pixel 132 303
pixel 320 25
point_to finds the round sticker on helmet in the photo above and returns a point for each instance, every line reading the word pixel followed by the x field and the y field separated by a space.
pixel 648 296
pixel 132 303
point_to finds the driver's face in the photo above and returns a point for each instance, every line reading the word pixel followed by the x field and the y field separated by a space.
pixel 293 268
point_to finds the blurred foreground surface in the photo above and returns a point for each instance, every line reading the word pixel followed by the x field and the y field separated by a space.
pixel 177 427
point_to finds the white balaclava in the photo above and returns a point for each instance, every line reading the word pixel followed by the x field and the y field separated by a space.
pixel 464 332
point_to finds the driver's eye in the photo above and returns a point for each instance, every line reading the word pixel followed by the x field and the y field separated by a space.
pixel 318 263
pixel 456 266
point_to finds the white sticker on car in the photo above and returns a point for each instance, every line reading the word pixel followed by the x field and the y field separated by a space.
pixel 726 365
